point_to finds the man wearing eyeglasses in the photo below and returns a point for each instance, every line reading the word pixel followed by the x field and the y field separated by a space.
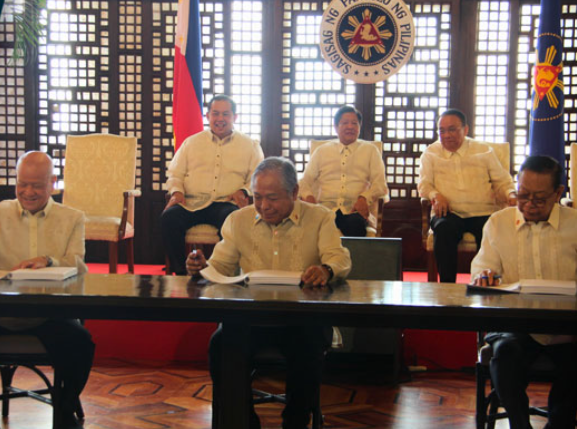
pixel 535 240
pixel 465 182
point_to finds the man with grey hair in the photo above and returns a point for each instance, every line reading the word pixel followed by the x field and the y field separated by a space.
pixel 36 232
pixel 279 232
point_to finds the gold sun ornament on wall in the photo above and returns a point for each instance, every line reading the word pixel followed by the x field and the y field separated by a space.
pixel 367 34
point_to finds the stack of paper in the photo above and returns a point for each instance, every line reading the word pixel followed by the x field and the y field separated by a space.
pixel 550 287
pixel 532 286
pixel 48 273
pixel 274 277
pixel 270 277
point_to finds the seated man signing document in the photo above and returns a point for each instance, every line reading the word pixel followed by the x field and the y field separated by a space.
pixel 535 240
pixel 36 232
pixel 281 233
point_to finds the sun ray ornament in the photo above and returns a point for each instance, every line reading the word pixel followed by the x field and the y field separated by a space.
pixel 367 41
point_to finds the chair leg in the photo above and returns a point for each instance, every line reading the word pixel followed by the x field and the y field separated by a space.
pixel 494 404
pixel 56 394
pixel 113 257
pixel 318 420
pixel 7 374
pixel 481 401
pixel 130 254
pixel 167 271
pixel 432 268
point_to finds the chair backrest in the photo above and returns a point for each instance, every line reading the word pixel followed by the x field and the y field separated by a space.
pixel 98 169
pixel 503 152
pixel 316 143
pixel 375 258
pixel 573 174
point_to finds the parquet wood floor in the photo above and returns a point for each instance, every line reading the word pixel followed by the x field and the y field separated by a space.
pixel 160 395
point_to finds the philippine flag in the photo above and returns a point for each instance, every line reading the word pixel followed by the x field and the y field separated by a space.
pixel 187 90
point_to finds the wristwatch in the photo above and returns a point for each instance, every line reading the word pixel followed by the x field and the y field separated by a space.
pixel 49 261
pixel 329 269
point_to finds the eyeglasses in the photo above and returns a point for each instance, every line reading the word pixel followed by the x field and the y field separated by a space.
pixel 452 130
pixel 537 202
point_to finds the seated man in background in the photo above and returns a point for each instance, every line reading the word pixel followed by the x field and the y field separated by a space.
pixel 280 233
pixel 464 180
pixel 535 240
pixel 346 175
pixel 208 178
pixel 36 232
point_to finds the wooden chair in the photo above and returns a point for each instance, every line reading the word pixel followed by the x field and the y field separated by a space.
pixel 99 179
pixel 27 351
pixel 467 244
pixel 376 217
pixel 202 236
pixel 488 407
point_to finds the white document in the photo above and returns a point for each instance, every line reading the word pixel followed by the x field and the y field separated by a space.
pixel 549 287
pixel 533 286
pixel 47 273
pixel 271 277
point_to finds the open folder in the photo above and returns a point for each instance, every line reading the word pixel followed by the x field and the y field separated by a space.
pixel 262 277
pixel 47 273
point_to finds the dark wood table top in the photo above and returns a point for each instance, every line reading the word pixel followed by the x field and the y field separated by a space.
pixel 354 303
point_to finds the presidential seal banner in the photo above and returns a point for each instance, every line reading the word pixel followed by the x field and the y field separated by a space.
pixel 367 41
pixel 546 135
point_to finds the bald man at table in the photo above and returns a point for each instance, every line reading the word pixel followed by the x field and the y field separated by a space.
pixel 282 233
pixel 36 232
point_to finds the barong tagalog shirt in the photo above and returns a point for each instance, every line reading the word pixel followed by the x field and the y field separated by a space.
pixel 208 169
pixel 337 175
pixel 56 231
pixel 308 236
pixel 517 249
pixel 472 178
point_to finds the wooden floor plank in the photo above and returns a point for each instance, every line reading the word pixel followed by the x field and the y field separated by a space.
pixel 159 395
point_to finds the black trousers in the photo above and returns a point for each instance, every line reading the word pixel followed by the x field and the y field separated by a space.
pixel 303 347
pixel 448 231
pixel 71 349
pixel 513 355
pixel 177 220
pixel 351 225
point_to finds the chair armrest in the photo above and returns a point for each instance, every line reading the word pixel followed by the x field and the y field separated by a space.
pixel 380 206
pixel 127 211
pixel 567 202
pixel 425 220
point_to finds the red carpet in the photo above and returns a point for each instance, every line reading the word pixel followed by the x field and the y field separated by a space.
pixel 171 341
pixel 189 341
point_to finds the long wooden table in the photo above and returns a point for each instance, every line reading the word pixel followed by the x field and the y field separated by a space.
pixel 355 303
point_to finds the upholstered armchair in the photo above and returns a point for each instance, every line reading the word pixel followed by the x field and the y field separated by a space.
pixel 376 210
pixel 99 179
pixel 467 244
